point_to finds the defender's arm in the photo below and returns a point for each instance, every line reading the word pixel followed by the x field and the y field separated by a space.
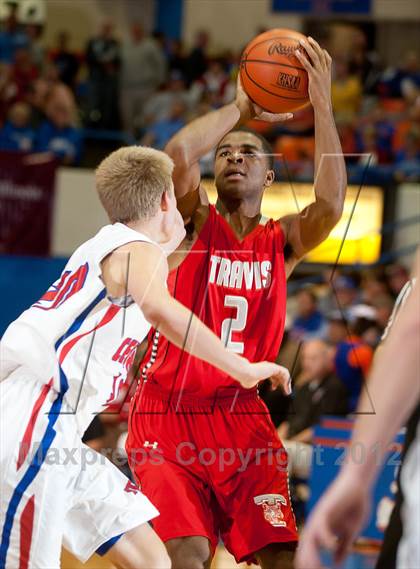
pixel 146 284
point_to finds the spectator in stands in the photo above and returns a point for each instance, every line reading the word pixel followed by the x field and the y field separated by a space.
pixel 7 90
pixel 65 60
pixel 337 329
pixel 383 131
pixel 12 37
pixel 159 107
pixel 342 295
pixel 144 69
pixel 103 62
pixel 16 133
pixel 161 132
pixel 396 81
pixel 23 73
pixel 58 134
pixel 309 322
pixel 175 56
pixel 397 276
pixel 364 63
pixel 321 393
pixel 346 90
pixel 353 355
pixel 196 61
pixel 36 46
pixel 37 98
pixel 373 286
pixel 408 158
pixel 215 83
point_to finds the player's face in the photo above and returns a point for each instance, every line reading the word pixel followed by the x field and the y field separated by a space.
pixel 241 168
pixel 173 224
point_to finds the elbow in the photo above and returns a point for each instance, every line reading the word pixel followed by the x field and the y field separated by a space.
pixel 333 214
pixel 178 151
pixel 152 313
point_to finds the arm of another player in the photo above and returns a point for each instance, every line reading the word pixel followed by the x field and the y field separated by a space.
pixel 202 135
pixel 313 224
pixel 147 285
pixel 394 391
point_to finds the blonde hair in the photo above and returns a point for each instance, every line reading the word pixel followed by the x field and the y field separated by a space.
pixel 131 181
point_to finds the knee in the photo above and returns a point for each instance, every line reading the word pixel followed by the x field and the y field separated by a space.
pixel 189 552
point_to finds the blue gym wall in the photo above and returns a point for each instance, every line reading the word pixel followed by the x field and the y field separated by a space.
pixel 22 281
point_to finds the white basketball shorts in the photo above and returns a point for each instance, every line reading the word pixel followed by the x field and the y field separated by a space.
pixel 54 489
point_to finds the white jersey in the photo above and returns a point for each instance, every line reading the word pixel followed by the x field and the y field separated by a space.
pixel 75 337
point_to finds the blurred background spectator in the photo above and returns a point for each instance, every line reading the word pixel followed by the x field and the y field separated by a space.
pixel 318 392
pixel 309 322
pixel 144 69
pixel 103 62
pixel 66 60
pixel 58 134
pixel 17 133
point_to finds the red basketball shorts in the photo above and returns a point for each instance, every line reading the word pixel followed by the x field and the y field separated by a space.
pixel 213 469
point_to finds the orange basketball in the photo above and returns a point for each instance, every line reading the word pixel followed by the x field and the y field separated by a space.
pixel 271 74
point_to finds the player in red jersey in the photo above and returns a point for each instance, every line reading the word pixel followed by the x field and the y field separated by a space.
pixel 204 450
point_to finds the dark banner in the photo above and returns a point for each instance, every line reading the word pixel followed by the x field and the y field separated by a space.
pixel 26 203
pixel 324 7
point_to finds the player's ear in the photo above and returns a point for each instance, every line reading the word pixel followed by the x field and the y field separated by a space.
pixel 164 201
pixel 269 178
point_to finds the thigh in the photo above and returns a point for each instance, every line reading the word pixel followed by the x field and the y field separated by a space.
pixel 105 505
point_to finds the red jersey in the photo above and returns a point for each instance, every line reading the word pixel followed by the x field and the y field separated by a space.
pixel 238 289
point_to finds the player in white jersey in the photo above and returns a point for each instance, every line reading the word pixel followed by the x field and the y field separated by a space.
pixel 63 359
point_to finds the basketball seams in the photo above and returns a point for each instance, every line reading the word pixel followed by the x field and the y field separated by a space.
pixel 270 92
pixel 272 63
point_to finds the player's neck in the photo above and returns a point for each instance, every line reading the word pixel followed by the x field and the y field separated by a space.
pixel 150 228
pixel 242 216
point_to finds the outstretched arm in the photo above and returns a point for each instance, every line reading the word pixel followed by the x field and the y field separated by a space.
pixel 339 515
pixel 147 285
pixel 313 224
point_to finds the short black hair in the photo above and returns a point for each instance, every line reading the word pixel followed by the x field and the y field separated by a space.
pixel 267 148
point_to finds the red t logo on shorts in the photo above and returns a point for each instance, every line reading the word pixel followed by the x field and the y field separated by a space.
pixel 271 504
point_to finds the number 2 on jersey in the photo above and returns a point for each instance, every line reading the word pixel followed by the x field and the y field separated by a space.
pixel 237 324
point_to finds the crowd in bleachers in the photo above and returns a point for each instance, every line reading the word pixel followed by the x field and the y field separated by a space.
pixel 149 86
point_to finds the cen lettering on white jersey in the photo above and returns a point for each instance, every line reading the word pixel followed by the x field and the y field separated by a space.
pixel 235 274
pixel 75 335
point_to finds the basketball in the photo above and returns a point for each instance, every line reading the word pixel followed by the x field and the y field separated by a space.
pixel 271 74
